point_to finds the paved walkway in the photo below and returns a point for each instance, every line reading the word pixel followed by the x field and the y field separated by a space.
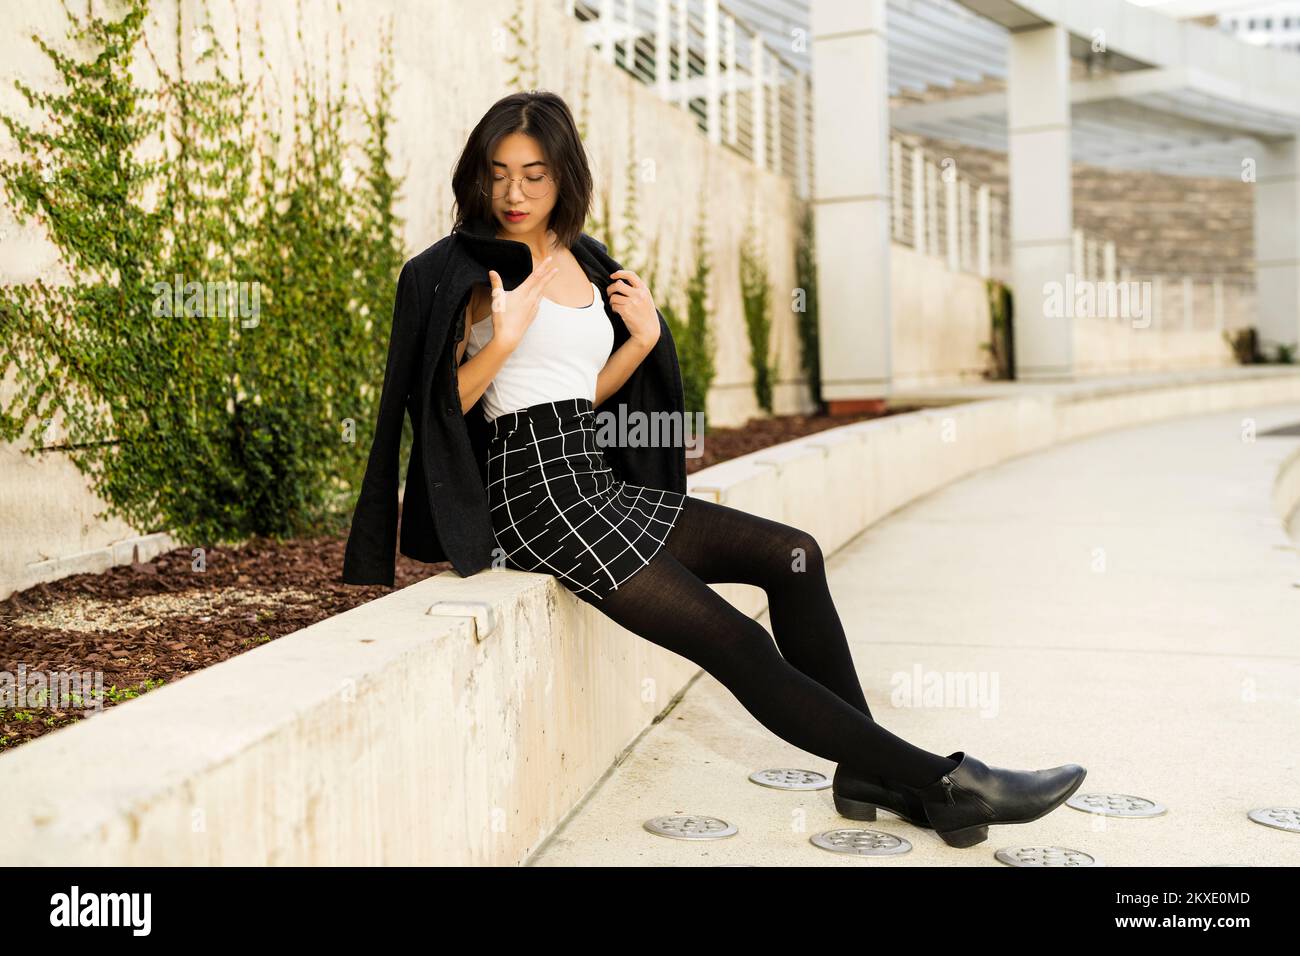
pixel 1128 602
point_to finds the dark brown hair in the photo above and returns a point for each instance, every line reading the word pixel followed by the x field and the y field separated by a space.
pixel 546 117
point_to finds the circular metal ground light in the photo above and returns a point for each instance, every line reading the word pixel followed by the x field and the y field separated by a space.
pixel 788 778
pixel 1116 805
pixel 1045 856
pixel 860 842
pixel 1280 818
pixel 691 827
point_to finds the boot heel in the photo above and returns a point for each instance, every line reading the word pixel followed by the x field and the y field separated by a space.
pixel 967 836
pixel 855 809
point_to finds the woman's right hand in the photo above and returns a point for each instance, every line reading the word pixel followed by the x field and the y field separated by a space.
pixel 513 312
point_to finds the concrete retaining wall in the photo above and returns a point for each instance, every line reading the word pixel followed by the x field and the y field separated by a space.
pixel 458 721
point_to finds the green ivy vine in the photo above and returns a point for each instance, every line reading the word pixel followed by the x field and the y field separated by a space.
pixel 755 298
pixel 214 351
pixel 693 333
pixel 804 303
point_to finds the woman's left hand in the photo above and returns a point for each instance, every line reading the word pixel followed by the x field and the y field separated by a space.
pixel 630 298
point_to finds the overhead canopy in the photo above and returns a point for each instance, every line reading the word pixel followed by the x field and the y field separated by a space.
pixel 1164 95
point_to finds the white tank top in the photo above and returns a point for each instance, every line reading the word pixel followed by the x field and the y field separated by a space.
pixel 559 356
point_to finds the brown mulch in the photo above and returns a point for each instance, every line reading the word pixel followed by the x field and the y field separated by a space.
pixel 151 623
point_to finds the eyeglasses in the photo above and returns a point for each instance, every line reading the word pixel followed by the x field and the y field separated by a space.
pixel 535 186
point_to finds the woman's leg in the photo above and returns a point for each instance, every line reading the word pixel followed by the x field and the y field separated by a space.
pixel 723 545
pixel 669 605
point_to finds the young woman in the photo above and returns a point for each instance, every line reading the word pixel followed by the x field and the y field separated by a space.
pixel 540 359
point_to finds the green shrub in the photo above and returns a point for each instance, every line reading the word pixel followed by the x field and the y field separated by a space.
pixel 693 335
pixel 755 297
pixel 1000 346
pixel 805 305
pixel 220 414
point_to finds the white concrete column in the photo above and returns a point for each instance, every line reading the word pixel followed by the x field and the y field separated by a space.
pixel 932 207
pixel 918 200
pixel 801 86
pixel 963 210
pixel 758 110
pixel 952 243
pixel 851 201
pixel 774 124
pixel 607 28
pixel 996 231
pixel 896 190
pixel 629 37
pixel 713 77
pixel 663 53
pixel 683 58
pixel 733 88
pixel 1277 245
pixel 982 226
pixel 1038 133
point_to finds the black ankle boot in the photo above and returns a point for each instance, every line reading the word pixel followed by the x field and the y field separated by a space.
pixel 965 801
pixel 857 796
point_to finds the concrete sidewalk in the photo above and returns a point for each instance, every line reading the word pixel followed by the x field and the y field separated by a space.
pixel 1128 602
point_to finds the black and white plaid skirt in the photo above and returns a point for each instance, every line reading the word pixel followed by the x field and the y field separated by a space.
pixel 557 507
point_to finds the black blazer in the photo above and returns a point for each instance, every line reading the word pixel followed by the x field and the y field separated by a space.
pixel 445 505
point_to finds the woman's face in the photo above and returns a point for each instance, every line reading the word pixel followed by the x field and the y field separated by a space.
pixel 520 172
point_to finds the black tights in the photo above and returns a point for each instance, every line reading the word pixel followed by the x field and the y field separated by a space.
pixel 808 694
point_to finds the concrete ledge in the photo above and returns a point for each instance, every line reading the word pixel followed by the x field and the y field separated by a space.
pixel 128 551
pixel 458 721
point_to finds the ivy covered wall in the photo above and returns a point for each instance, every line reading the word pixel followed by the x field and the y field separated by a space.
pixel 210 353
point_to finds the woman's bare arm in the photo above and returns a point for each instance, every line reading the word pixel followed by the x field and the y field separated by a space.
pixel 630 299
pixel 477 374
pixel 620 367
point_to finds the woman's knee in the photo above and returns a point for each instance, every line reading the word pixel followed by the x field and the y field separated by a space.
pixel 799 551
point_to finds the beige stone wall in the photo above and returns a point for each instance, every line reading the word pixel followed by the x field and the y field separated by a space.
pixel 940 322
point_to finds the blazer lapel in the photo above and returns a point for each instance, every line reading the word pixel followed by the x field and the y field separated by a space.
pixel 511 259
